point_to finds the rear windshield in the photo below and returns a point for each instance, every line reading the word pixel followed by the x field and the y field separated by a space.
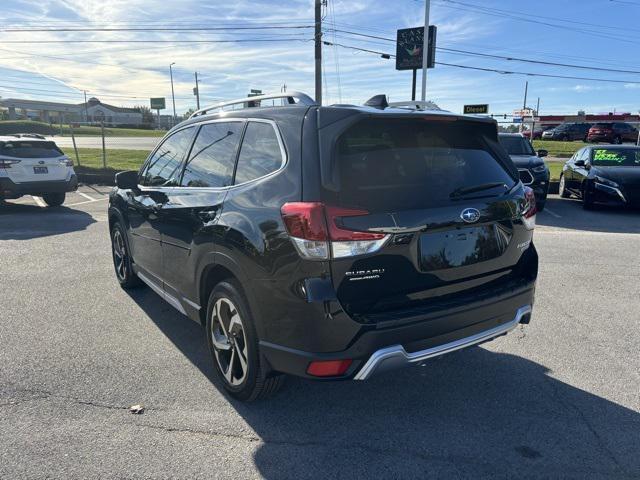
pixel 628 157
pixel 603 125
pixel 516 145
pixel 25 149
pixel 398 164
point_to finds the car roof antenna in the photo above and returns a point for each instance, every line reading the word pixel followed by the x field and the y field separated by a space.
pixel 377 101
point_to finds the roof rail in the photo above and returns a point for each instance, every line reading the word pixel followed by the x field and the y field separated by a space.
pixel 28 135
pixel 303 99
pixel 415 104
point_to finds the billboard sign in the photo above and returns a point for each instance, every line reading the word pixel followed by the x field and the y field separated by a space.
pixel 409 44
pixel 158 103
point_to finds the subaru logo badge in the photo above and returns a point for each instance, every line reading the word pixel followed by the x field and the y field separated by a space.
pixel 470 215
pixel 41 162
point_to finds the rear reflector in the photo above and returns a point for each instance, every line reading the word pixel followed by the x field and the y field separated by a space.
pixel 316 230
pixel 329 368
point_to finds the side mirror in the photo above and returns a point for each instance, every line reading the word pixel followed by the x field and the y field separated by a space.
pixel 579 163
pixel 127 180
pixel 542 153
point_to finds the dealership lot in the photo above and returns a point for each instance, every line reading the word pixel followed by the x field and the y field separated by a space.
pixel 558 398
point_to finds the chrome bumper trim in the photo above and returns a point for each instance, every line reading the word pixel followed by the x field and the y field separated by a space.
pixel 396 356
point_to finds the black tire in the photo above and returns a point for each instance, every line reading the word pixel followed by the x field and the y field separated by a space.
pixel 54 199
pixel 230 323
pixel 617 140
pixel 122 258
pixel 565 138
pixel 562 190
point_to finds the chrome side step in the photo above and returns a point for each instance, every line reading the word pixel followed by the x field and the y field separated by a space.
pixel 396 356
pixel 171 300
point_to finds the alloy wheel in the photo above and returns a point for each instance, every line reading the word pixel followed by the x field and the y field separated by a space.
pixel 229 341
pixel 119 255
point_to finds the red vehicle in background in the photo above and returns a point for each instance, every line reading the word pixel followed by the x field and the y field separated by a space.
pixel 617 132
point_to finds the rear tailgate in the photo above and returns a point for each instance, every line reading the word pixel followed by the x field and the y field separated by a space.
pixel 447 198
pixel 33 161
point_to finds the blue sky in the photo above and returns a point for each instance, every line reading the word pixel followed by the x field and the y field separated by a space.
pixel 595 33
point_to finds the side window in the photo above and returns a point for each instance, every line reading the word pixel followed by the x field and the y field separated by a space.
pixel 213 155
pixel 260 153
pixel 163 168
pixel 585 154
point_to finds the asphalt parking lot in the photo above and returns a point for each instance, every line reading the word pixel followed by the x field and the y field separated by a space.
pixel 558 398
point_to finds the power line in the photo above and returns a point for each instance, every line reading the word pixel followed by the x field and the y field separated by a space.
pixel 503 72
pixel 151 29
pixel 242 40
pixel 502 57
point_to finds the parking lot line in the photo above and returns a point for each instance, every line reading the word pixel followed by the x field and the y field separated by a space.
pixel 552 213
pixel 38 201
pixel 88 197
pixel 85 202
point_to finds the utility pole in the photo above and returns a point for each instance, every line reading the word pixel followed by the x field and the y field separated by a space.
pixel 196 91
pixel 318 50
pixel 524 104
pixel 86 108
pixel 425 49
pixel 533 120
pixel 173 96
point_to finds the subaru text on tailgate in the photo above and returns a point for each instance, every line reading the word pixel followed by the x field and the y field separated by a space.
pixel 329 242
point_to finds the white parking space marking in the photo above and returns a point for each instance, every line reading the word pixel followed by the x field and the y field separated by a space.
pixel 88 197
pixel 93 200
pixel 38 201
pixel 552 213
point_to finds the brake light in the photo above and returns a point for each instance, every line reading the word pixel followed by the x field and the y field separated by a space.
pixel 329 368
pixel 6 163
pixel 529 211
pixel 66 161
pixel 316 233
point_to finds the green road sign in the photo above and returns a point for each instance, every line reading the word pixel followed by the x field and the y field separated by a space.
pixel 476 109
pixel 158 103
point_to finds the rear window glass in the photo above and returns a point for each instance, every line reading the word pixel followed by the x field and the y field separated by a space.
pixel 616 158
pixel 397 164
pixel 260 153
pixel 23 149
pixel 516 145
pixel 603 125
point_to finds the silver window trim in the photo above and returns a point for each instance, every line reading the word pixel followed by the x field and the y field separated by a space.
pixel 177 189
pixel 530 174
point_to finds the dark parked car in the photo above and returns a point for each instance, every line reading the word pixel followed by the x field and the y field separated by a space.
pixel 532 169
pixel 612 133
pixel 607 175
pixel 568 132
pixel 329 242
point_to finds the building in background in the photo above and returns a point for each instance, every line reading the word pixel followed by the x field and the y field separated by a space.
pixel 94 111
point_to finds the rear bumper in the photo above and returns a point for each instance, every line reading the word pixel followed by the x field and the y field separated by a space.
pixel 9 189
pixel 396 356
pixel 378 349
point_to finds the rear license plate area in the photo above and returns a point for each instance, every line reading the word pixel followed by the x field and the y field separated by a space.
pixel 40 170
pixel 461 247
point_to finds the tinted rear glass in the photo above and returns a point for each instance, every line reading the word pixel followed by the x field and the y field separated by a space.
pixel 603 125
pixel 398 164
pixel 611 157
pixel 516 145
pixel 22 149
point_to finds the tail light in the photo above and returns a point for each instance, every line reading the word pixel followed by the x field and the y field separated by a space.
pixel 66 161
pixel 529 211
pixel 317 233
pixel 6 163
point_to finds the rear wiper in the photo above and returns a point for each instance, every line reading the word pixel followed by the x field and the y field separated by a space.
pixel 459 192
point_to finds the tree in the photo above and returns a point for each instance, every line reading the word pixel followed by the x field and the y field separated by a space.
pixel 188 113
pixel 147 114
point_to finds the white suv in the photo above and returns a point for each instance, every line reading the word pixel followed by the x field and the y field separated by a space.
pixel 32 165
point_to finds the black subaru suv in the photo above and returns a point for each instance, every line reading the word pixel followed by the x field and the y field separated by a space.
pixel 329 242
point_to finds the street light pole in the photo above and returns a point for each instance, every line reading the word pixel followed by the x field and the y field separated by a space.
pixel 173 96
pixel 318 50
pixel 425 49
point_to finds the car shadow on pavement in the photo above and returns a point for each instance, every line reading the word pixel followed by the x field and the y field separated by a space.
pixel 568 213
pixel 23 222
pixel 473 413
